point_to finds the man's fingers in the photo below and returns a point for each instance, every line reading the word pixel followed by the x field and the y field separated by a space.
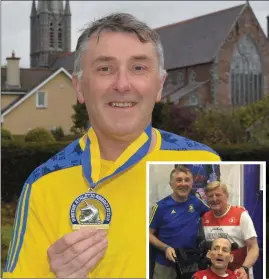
pixel 70 239
pixel 174 254
pixel 90 265
pixel 57 261
pixel 85 259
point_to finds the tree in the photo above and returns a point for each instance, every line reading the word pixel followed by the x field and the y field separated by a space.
pixel 80 119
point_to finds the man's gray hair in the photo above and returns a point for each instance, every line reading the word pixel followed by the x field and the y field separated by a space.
pixel 118 22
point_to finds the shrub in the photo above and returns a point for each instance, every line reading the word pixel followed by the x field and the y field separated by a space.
pixel 39 135
pixel 6 135
pixel 58 133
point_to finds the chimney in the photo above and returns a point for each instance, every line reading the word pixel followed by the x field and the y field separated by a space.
pixel 13 72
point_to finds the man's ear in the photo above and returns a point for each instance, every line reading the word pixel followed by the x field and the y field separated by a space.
pixel 77 85
pixel 208 254
pixel 232 258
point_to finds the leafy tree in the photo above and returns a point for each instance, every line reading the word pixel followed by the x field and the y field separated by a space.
pixel 80 119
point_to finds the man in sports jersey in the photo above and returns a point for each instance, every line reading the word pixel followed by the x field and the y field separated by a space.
pixel 175 219
pixel 234 223
pixel 220 256
pixel 119 75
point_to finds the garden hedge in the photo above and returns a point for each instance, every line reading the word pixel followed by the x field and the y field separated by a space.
pixel 20 159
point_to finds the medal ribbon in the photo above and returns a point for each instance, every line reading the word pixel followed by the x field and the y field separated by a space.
pixel 91 159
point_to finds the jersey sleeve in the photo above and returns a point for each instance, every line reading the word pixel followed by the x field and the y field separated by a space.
pixel 247 226
pixel 27 255
pixel 155 217
pixel 203 207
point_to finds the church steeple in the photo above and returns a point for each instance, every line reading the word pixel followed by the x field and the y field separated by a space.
pixel 50 31
pixel 42 6
pixel 67 8
pixel 33 12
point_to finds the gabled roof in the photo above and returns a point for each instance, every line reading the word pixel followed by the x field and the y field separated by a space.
pixel 29 78
pixel 196 41
pixel 40 85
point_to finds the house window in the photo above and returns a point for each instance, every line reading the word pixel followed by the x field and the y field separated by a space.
pixel 41 100
pixel 246 74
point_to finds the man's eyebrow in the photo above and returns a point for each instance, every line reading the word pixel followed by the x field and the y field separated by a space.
pixel 140 57
pixel 103 58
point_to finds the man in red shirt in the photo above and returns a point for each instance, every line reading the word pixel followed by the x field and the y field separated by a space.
pixel 220 256
pixel 233 223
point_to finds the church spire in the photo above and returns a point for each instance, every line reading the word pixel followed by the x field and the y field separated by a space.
pixel 33 12
pixel 67 10
pixel 42 6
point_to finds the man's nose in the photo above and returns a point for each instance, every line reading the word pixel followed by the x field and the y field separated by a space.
pixel 214 198
pixel 122 82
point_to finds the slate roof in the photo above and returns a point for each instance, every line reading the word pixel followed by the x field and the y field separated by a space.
pixel 196 41
pixel 29 78
pixel 66 62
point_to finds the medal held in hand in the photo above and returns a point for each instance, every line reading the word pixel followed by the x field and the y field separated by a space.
pixel 90 210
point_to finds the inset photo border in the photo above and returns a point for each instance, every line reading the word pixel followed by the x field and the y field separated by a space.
pixel 191 204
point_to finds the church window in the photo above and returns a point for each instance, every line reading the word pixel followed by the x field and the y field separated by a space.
pixel 51 35
pixel 246 74
pixel 60 38
pixel 193 100
pixel 192 77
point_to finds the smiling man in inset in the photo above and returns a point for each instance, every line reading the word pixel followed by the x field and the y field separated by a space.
pixel 175 219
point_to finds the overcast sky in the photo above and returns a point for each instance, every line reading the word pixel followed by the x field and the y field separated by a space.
pixel 16 18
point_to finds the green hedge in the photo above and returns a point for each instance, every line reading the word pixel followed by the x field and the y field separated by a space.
pixel 20 159
pixel 18 162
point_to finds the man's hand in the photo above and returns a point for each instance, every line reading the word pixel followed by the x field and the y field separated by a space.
pixel 170 254
pixel 241 273
pixel 76 254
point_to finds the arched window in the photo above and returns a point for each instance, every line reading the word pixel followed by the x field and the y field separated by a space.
pixel 60 39
pixel 192 77
pixel 246 74
pixel 51 35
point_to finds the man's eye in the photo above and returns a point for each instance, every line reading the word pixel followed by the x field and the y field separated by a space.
pixel 104 69
pixel 139 68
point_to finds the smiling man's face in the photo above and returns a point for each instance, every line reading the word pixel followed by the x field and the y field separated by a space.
pixel 220 254
pixel 181 184
pixel 120 84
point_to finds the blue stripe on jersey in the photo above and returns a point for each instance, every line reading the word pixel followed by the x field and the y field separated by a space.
pixel 171 141
pixel 25 214
pixel 15 231
pixel 70 156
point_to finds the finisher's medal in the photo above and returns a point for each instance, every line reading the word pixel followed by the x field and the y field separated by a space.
pixel 92 209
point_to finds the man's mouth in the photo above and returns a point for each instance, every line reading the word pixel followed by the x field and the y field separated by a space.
pixel 219 260
pixel 183 188
pixel 122 104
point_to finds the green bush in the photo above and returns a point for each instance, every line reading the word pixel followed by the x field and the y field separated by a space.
pixel 58 133
pixel 6 135
pixel 39 135
pixel 18 162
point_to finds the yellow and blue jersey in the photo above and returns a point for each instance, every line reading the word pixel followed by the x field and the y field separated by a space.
pixel 176 223
pixel 42 215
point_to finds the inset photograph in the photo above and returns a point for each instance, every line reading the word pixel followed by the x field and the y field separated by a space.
pixel 206 220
